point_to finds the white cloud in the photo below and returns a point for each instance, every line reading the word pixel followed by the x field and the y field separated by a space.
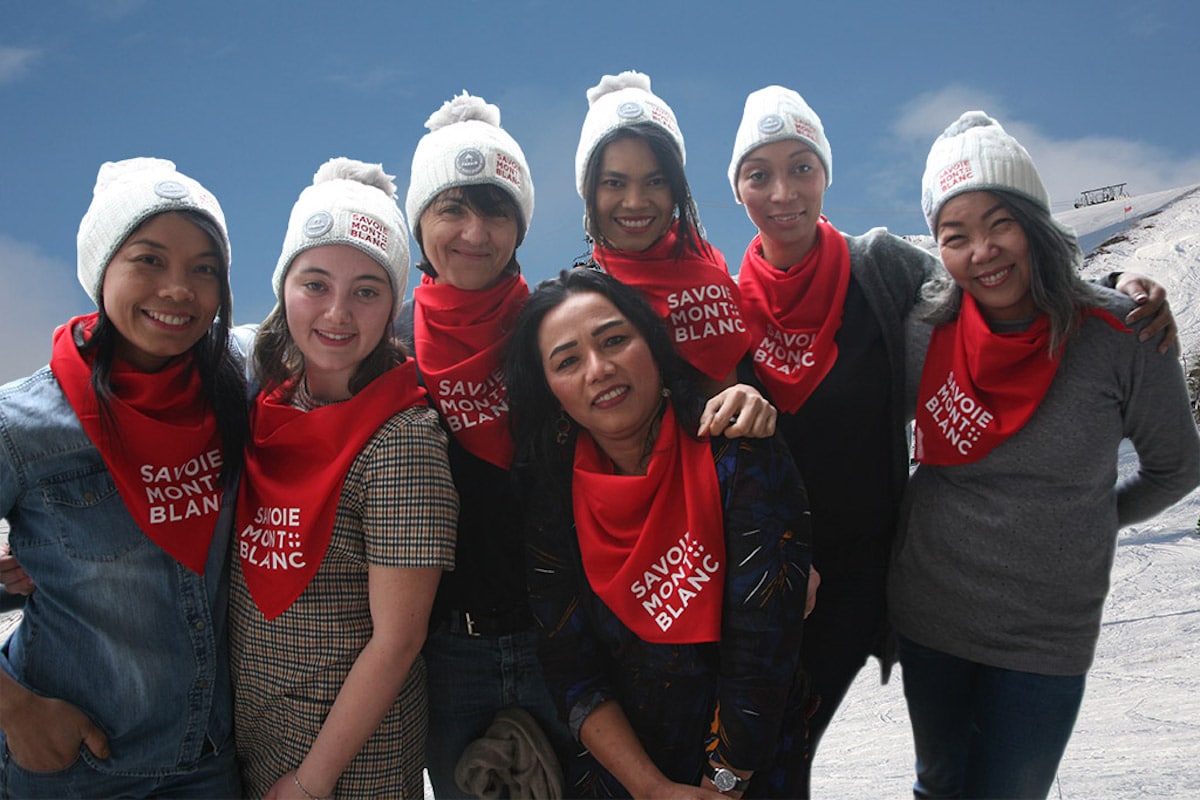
pixel 1067 166
pixel 15 62
pixel 39 294
pixel 928 114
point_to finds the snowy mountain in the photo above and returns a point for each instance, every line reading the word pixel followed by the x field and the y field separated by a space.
pixel 1160 238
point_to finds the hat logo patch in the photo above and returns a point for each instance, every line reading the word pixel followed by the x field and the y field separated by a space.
pixel 954 174
pixel 318 224
pixel 631 109
pixel 806 130
pixel 663 117
pixel 771 123
pixel 369 230
pixel 507 169
pixel 170 190
pixel 469 161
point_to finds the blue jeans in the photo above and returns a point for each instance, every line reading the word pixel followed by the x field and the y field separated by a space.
pixel 470 679
pixel 215 777
pixel 983 731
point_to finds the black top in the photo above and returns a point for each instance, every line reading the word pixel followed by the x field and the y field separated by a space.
pixel 488 580
pixel 840 439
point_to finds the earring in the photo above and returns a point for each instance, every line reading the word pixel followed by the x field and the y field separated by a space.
pixel 666 392
pixel 563 426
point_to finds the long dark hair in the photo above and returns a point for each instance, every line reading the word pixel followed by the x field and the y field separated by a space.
pixel 670 161
pixel 534 412
pixel 277 359
pixel 221 375
pixel 487 200
pixel 1054 282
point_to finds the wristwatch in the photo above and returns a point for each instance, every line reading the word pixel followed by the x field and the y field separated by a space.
pixel 726 780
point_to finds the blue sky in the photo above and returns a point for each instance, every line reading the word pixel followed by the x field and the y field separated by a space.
pixel 251 97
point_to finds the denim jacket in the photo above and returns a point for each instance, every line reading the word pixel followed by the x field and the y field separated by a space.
pixel 116 626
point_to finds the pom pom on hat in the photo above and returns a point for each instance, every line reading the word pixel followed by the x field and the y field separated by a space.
pixel 466 146
pixel 629 79
pixel 619 101
pixel 975 153
pixel 773 114
pixel 351 203
pixel 463 108
pixel 126 194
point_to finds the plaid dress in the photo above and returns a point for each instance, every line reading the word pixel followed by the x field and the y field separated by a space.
pixel 398 508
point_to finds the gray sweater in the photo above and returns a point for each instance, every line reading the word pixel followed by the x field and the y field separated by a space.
pixel 1006 561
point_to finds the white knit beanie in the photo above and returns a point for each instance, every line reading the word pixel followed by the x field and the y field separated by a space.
pixel 466 146
pixel 127 193
pixel 772 114
pixel 973 154
pixel 619 101
pixel 351 203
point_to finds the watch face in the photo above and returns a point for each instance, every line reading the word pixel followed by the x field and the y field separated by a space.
pixel 725 780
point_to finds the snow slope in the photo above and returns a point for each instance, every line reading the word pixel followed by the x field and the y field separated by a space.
pixel 1163 242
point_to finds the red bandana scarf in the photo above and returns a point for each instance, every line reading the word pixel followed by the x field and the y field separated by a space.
pixel 694 295
pixel 978 387
pixel 293 480
pixel 653 546
pixel 460 338
pixel 164 449
pixel 794 315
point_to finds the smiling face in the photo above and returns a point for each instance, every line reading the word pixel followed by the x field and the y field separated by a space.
pixel 986 252
pixel 467 248
pixel 600 368
pixel 162 290
pixel 782 185
pixel 338 303
pixel 632 202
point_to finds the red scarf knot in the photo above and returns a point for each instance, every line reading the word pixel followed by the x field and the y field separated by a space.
pixel 163 447
pixel 979 387
pixel 694 294
pixel 295 468
pixel 460 338
pixel 653 546
pixel 794 315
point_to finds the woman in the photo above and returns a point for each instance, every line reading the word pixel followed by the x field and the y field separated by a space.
pixel 347 513
pixel 827 313
pixel 471 201
pixel 1008 532
pixel 646 233
pixel 668 572
pixel 117 472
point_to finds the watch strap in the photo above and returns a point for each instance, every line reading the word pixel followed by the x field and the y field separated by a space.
pixel 726 780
